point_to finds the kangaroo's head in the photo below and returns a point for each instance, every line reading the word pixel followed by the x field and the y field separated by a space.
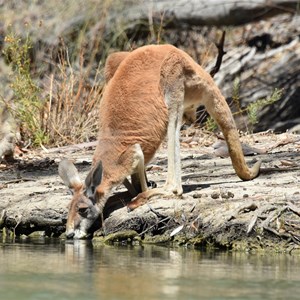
pixel 83 210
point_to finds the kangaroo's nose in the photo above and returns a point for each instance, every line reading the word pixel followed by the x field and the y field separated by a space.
pixel 70 234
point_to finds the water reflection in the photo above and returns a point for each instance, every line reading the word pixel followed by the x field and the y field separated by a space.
pixel 53 269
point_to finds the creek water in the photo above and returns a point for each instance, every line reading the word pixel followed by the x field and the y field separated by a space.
pixel 55 269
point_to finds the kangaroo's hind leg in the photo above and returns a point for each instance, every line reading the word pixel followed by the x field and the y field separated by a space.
pixel 172 84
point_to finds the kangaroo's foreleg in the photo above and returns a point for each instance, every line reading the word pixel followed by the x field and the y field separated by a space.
pixel 139 166
pixel 135 183
pixel 139 181
pixel 132 188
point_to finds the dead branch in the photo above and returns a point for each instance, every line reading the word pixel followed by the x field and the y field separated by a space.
pixel 221 53
pixel 274 215
pixel 293 208
pixel 259 213
pixel 72 148
pixel 252 222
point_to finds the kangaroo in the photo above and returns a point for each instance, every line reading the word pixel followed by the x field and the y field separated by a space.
pixel 147 92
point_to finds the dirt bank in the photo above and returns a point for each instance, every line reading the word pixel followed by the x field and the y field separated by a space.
pixel 217 208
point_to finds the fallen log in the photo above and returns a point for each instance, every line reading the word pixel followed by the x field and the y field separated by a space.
pixel 216 208
pixel 200 12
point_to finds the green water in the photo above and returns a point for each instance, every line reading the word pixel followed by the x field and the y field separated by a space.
pixel 50 269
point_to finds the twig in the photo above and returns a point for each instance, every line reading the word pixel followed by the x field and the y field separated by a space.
pixel 159 215
pixel 286 235
pixel 247 207
pixel 244 208
pixel 19 180
pixel 293 208
pixel 258 214
pixel 221 53
pixel 73 147
pixel 275 170
pixel 276 214
pixel 252 222
pixel 161 221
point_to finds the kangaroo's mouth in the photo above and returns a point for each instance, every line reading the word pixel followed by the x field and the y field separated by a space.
pixel 77 234
pixel 70 234
pixel 80 234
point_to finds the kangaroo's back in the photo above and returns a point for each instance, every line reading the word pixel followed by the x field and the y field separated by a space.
pixel 133 108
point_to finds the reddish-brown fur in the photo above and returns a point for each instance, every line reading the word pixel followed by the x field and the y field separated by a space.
pixel 147 93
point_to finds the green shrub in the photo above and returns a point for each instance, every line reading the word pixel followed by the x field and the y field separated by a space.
pixel 27 95
pixel 69 111
pixel 252 110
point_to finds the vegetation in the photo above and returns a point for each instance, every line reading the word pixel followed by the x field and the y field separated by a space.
pixel 251 111
pixel 63 112
pixel 26 91
pixel 56 94
pixel 253 108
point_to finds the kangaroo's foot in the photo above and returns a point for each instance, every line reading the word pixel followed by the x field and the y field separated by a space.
pixel 144 197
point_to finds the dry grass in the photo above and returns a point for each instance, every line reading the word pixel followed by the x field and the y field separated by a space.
pixel 70 45
pixel 66 72
pixel 71 112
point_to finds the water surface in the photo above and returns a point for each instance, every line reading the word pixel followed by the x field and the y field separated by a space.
pixel 53 269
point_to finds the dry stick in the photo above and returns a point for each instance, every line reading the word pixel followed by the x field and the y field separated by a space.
pixel 244 208
pixel 161 221
pixel 19 180
pixel 293 208
pixel 252 222
pixel 159 215
pixel 247 207
pixel 275 170
pixel 273 216
pixel 75 147
pixel 221 53
pixel 288 235
pixel 258 214
pixel 270 218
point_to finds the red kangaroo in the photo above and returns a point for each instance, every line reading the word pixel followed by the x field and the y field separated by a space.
pixel 148 90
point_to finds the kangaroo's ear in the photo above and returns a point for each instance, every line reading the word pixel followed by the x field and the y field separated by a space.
pixel 69 174
pixel 112 63
pixel 93 179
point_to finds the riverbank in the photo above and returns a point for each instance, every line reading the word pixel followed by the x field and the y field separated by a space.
pixel 217 209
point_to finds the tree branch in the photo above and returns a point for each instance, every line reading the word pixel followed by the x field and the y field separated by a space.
pixel 221 53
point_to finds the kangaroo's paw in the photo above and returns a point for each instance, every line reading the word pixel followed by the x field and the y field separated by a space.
pixel 139 200
pixel 142 198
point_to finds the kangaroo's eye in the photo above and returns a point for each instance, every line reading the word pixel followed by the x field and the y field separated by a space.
pixel 83 211
pixel 89 192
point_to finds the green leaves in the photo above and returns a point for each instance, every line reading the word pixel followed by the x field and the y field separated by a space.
pixel 27 99
pixel 253 108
